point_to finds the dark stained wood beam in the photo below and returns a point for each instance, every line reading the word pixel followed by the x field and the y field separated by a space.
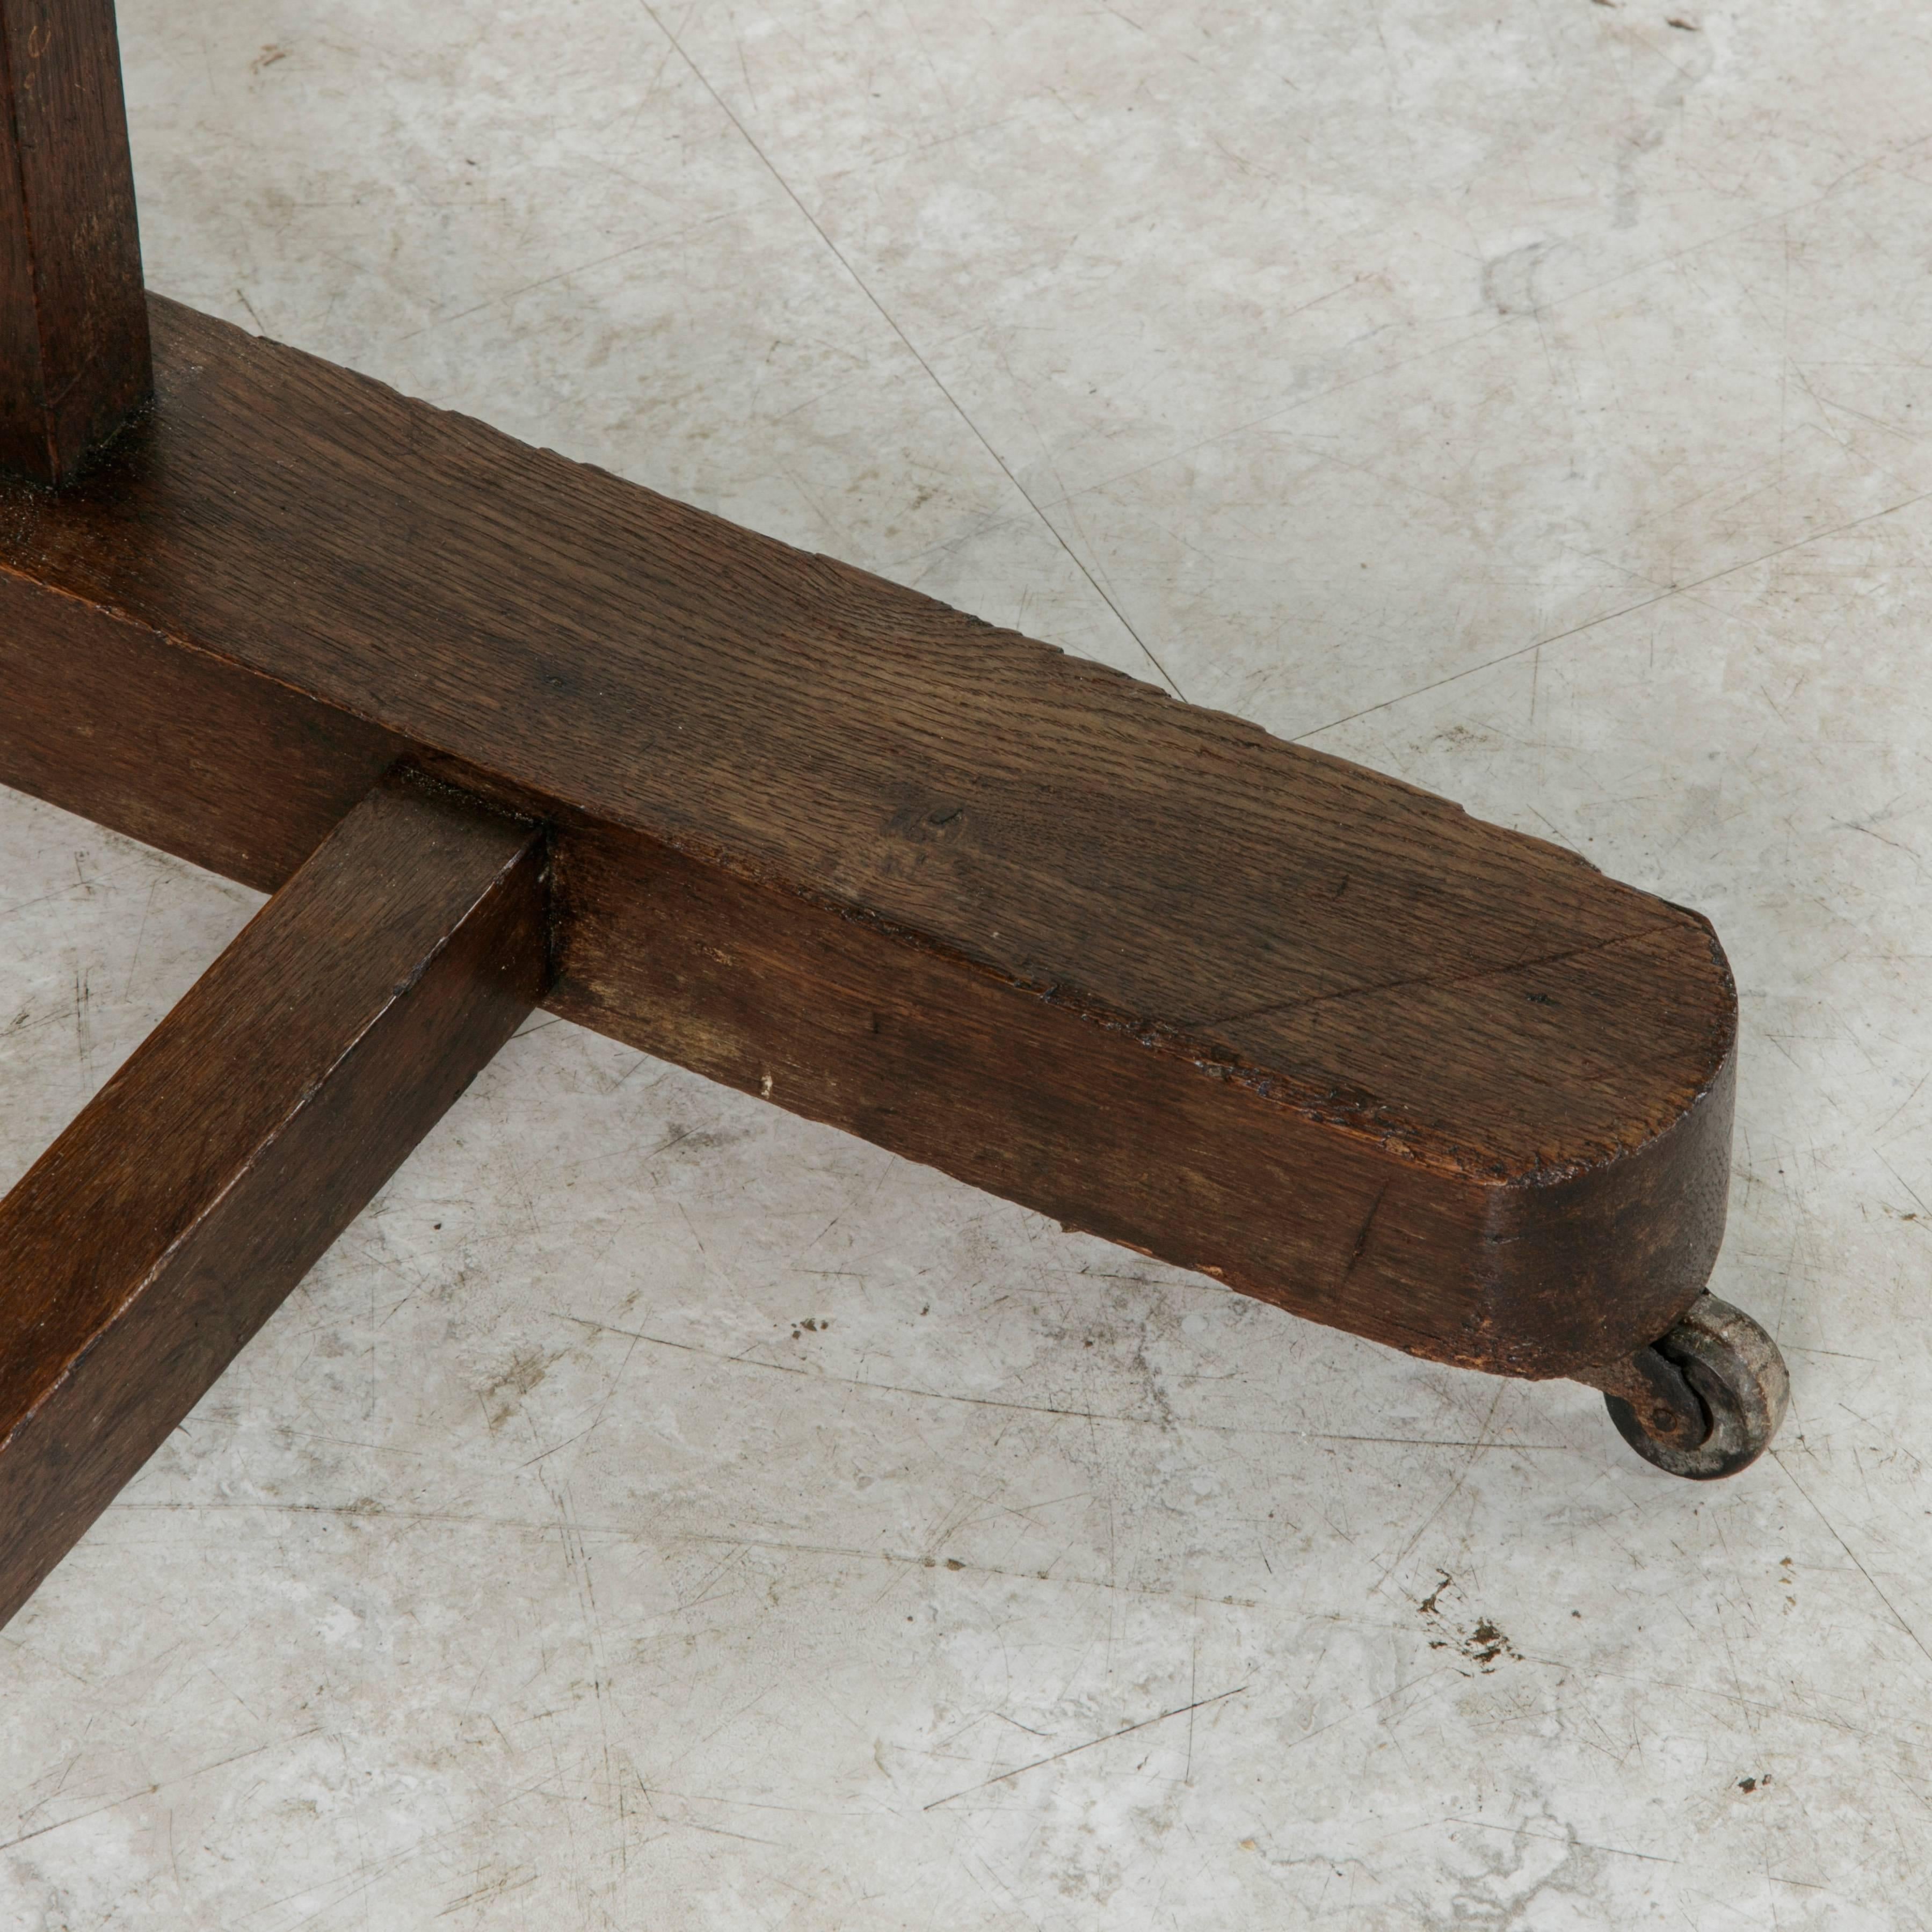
pixel 1139 966
pixel 208 1175
pixel 73 325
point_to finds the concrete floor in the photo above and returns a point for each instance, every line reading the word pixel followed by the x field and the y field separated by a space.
pixel 1531 400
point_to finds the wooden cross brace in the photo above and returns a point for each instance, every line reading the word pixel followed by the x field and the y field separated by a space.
pixel 498 729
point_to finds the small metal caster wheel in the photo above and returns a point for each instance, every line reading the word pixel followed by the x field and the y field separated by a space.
pixel 1706 1400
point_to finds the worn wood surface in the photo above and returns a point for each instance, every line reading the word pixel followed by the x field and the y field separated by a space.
pixel 213 1169
pixel 1137 965
pixel 73 325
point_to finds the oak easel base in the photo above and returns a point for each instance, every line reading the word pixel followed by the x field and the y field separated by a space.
pixel 496 728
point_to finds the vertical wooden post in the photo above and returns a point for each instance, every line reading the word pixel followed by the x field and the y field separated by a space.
pixel 74 321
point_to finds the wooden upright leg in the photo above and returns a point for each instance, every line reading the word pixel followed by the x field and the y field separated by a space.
pixel 201 1183
pixel 73 324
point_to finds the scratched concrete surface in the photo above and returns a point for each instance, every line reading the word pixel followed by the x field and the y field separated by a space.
pixel 658 1512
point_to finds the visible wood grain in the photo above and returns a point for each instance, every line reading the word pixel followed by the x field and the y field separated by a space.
pixel 73 325
pixel 239 774
pixel 1140 966
pixel 1022 1094
pixel 208 1175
